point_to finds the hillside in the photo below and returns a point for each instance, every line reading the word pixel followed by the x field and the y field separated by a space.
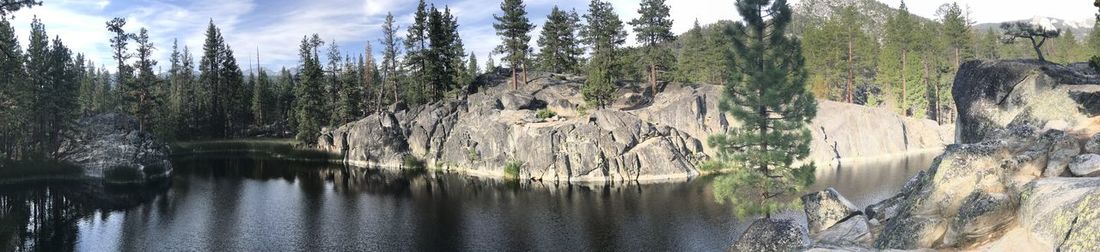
pixel 811 12
pixel 1080 28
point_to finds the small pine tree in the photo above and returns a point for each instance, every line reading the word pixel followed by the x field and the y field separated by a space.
pixel 1037 35
pixel 769 94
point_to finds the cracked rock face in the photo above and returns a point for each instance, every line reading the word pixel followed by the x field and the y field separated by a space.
pixel 992 95
pixel 825 209
pixel 110 146
pixel 770 235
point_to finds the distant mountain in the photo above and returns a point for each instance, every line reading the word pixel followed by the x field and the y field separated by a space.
pixel 1080 28
pixel 815 12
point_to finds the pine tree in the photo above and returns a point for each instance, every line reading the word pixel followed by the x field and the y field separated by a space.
pixel 560 50
pixel 308 105
pixel 119 41
pixel 513 28
pixel 61 106
pixel 261 99
pixel 472 68
pixel 437 68
pixel 38 75
pixel 653 29
pixel 416 49
pixel 768 94
pixel 237 114
pixel 956 28
pixel 1037 35
pixel 455 53
pixel 838 53
pixel 142 100
pixel 896 69
pixel 989 47
pixel 604 35
pixel 370 70
pixel 14 96
pixel 390 51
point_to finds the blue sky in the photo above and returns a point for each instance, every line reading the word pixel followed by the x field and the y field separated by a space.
pixel 275 27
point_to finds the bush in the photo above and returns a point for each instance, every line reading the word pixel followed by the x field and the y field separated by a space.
pixel 471 154
pixel 412 163
pixel 545 114
pixel 512 168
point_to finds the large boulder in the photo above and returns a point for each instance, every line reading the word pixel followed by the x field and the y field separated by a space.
pixel 111 146
pixel 517 101
pixel 1061 213
pixel 768 235
pixel 826 208
pixel 1087 165
pixel 1093 144
pixel 982 216
pixel 853 232
pixel 992 95
pixel 1061 153
pixel 377 140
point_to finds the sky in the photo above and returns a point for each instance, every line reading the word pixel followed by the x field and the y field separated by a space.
pixel 273 29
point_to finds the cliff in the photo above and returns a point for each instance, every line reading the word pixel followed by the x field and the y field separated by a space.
pixel 637 139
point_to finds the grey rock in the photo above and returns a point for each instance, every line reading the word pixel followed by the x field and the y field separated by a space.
pixel 888 209
pixel 517 101
pixel 826 208
pixel 982 215
pixel 110 146
pixel 1087 165
pixel 374 141
pixel 1093 144
pixel 854 232
pixel 1061 213
pixel 992 95
pixel 767 235
pixel 1063 150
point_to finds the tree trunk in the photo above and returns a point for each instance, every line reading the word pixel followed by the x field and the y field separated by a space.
pixel 525 73
pixel 850 69
pixel 904 84
pixel 653 78
pixel 515 80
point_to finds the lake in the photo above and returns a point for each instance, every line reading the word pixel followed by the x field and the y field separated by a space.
pixel 233 201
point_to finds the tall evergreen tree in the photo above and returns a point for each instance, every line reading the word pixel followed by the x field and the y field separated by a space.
pixel 768 94
pixel 472 68
pixel 390 51
pixel 653 29
pixel 604 35
pixel 840 55
pixel 38 75
pixel 560 50
pixel 14 96
pixel 896 68
pixel 261 99
pixel 370 70
pixel 416 49
pixel 513 28
pixel 308 105
pixel 141 97
pixel 119 40
pixel 956 28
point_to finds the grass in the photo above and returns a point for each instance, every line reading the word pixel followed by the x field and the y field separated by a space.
pixel 276 148
pixel 512 169
pixel 26 170
pixel 545 114
pixel 413 163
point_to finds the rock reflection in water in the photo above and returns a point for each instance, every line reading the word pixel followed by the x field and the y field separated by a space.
pixel 259 203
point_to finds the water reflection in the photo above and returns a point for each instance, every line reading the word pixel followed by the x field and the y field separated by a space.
pixel 252 202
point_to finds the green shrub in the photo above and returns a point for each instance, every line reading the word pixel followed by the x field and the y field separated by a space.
pixel 471 154
pixel 412 163
pixel 512 168
pixel 545 114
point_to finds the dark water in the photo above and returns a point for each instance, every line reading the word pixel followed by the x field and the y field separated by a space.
pixel 254 203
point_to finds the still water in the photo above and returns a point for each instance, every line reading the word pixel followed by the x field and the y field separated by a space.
pixel 255 202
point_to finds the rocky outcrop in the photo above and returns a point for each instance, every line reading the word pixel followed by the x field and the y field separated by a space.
pixel 1026 132
pixel 110 146
pixel 642 140
pixel 772 235
pixel 992 95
